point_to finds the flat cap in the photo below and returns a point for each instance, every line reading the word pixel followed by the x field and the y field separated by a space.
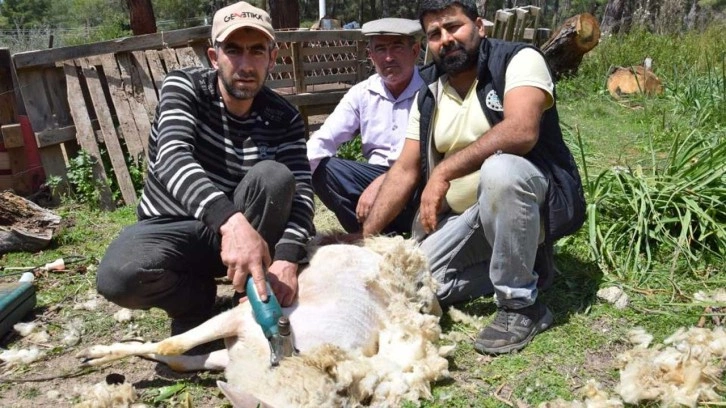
pixel 392 26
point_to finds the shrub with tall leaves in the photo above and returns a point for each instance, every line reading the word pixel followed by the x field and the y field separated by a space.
pixel 673 210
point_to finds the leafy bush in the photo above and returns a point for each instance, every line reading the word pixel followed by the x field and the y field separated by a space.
pixel 85 187
pixel 352 150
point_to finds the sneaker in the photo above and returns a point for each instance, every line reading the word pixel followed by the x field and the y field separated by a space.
pixel 512 329
pixel 544 265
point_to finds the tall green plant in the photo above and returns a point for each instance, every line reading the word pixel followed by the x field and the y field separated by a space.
pixel 672 210
pixel 85 187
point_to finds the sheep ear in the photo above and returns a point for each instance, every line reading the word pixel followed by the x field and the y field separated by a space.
pixel 240 399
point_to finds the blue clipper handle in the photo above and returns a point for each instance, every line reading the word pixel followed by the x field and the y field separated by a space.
pixel 266 313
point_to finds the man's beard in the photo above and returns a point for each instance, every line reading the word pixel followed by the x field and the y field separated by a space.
pixel 460 62
pixel 242 94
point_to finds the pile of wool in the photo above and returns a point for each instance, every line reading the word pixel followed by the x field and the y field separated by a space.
pixel 684 370
pixel 103 395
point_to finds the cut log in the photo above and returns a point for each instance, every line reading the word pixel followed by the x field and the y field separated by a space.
pixel 24 225
pixel 573 39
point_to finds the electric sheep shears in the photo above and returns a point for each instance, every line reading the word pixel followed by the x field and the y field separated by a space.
pixel 275 326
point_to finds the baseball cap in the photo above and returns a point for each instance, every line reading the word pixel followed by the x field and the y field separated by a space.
pixel 392 26
pixel 240 15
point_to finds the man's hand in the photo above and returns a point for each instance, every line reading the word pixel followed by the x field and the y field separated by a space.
pixel 365 202
pixel 244 252
pixel 283 280
pixel 432 199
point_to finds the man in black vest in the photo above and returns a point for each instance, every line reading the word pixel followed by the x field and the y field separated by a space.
pixel 498 181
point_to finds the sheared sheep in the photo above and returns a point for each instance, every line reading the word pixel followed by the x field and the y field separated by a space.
pixel 365 323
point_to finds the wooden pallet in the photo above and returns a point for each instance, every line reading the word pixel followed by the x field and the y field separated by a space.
pixel 102 97
pixel 119 93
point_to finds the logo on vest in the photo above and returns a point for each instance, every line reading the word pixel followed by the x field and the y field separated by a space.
pixel 493 102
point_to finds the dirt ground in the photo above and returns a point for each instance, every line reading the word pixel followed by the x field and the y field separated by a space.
pixel 57 379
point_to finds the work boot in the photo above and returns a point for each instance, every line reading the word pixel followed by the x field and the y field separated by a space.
pixel 512 329
pixel 544 265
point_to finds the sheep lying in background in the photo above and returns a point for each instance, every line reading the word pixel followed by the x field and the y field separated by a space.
pixel 365 322
pixel 631 80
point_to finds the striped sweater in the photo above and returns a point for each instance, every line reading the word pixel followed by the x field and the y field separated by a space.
pixel 199 152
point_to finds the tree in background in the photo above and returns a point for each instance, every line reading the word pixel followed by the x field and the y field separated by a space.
pixel 481 6
pixel 614 17
pixel 24 14
pixel 141 17
pixel 183 13
pixel 284 13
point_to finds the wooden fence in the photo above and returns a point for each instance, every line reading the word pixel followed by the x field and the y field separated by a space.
pixel 102 96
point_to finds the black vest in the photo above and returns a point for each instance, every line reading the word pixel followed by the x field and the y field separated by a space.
pixel 564 212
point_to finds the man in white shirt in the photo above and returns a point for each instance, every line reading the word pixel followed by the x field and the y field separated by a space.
pixel 377 109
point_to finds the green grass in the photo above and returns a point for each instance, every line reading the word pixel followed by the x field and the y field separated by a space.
pixel 636 135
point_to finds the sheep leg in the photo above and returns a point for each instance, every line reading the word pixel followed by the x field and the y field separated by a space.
pixel 214 361
pixel 240 399
pixel 168 351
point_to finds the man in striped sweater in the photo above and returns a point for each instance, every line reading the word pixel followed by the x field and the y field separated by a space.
pixel 228 189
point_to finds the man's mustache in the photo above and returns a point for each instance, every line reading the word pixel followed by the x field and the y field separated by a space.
pixel 452 47
pixel 243 75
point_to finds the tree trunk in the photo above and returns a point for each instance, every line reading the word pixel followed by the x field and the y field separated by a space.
pixel 374 11
pixel 565 48
pixel 284 13
pixel 565 8
pixel 141 17
pixel 690 19
pixel 613 16
pixel 481 6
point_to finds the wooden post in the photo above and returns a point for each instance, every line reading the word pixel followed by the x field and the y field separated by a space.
pixel 297 66
pixel 7 90
pixel 12 174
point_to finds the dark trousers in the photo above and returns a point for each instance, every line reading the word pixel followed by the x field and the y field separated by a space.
pixel 339 183
pixel 171 263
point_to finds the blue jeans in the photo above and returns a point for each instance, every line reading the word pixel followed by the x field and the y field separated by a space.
pixel 491 246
